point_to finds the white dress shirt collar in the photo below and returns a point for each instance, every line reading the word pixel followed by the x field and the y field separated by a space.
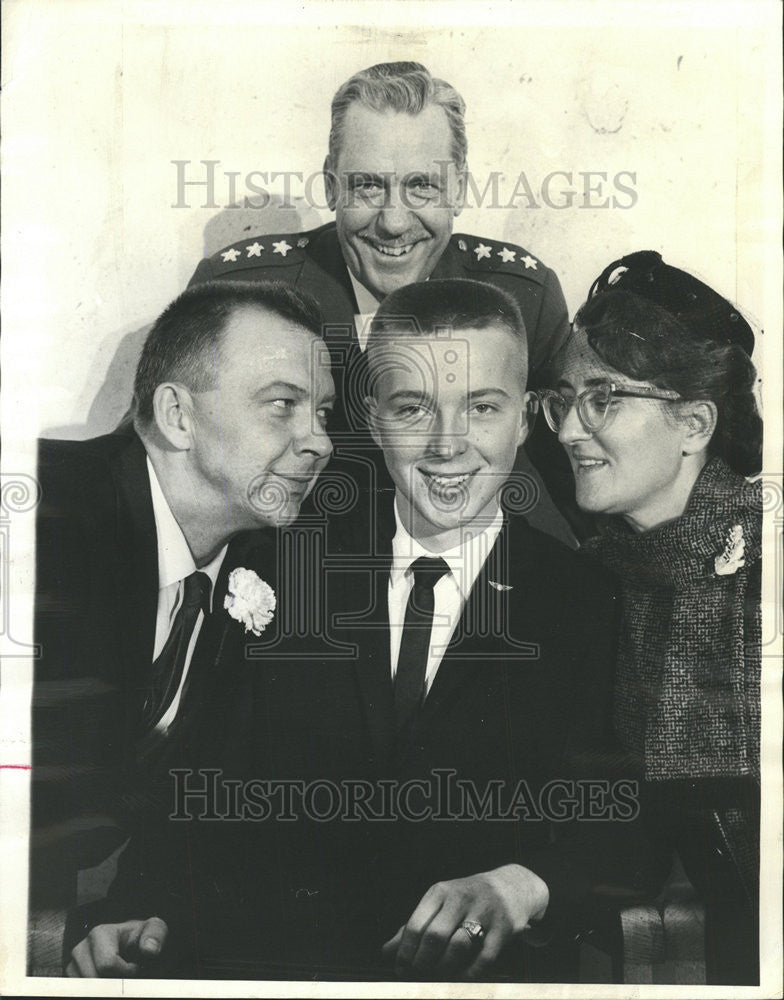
pixel 465 560
pixel 367 304
pixel 449 594
pixel 175 560
pixel 366 300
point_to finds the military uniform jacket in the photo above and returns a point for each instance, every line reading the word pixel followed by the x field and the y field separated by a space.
pixel 313 263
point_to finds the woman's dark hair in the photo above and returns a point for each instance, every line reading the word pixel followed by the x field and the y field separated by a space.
pixel 649 344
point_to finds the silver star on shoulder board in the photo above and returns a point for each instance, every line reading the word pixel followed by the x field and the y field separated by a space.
pixel 282 248
pixel 506 255
pixel 481 251
pixel 254 250
pixel 529 261
pixel 229 256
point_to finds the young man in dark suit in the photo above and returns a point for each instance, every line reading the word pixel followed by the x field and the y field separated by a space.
pixel 485 651
pixel 138 608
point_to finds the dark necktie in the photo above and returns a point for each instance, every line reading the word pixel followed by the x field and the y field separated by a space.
pixel 415 640
pixel 168 666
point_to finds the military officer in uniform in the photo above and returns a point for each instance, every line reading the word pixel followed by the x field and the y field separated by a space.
pixel 395 176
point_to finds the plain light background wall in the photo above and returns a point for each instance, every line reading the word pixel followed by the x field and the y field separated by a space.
pixel 100 97
pixel 99 104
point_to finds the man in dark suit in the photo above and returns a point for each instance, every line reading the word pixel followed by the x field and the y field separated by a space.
pixel 146 584
pixel 486 654
pixel 396 177
pixel 458 807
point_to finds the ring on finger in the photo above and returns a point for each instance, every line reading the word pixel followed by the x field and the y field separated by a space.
pixel 474 930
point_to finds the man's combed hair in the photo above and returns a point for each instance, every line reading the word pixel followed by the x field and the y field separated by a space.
pixel 446 304
pixel 403 87
pixel 184 344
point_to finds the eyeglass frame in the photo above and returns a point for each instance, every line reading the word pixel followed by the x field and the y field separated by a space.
pixel 639 392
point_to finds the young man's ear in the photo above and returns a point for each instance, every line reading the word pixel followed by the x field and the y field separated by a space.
pixel 331 184
pixel 528 416
pixel 172 409
pixel 698 419
pixel 371 412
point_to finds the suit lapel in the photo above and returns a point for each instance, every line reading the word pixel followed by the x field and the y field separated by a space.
pixel 484 636
pixel 449 264
pixel 324 259
pixel 220 685
pixel 211 675
pixel 325 276
pixel 214 632
pixel 480 639
pixel 219 652
pixel 368 630
pixel 137 572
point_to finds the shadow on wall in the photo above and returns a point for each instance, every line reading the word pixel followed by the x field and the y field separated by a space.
pixel 113 399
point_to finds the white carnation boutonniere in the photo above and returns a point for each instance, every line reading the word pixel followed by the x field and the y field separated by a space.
pixel 250 600
pixel 730 559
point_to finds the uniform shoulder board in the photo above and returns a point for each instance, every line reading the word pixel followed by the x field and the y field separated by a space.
pixel 482 254
pixel 268 250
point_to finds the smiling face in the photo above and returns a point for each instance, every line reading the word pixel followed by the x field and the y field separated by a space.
pixel 635 465
pixel 395 192
pixel 259 439
pixel 449 415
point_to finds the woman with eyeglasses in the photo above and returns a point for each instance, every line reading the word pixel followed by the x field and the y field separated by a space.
pixel 655 406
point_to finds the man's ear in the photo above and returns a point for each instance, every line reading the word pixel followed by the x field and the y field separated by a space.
pixel 331 185
pixel 172 409
pixel 698 419
pixel 371 412
pixel 528 416
pixel 460 191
